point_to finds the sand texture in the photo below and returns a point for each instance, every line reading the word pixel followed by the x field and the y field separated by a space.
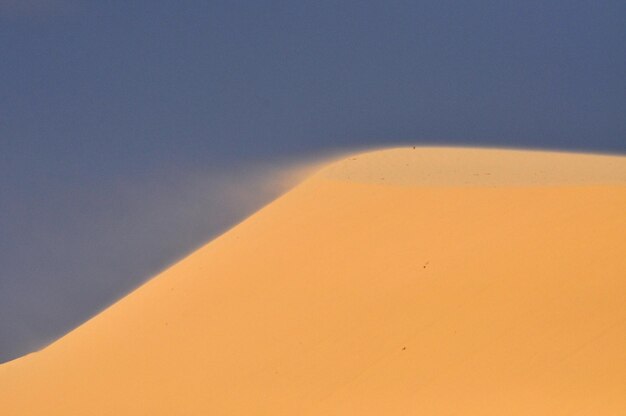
pixel 429 281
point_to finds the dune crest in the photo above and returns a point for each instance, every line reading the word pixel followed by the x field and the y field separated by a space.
pixel 403 281
pixel 456 166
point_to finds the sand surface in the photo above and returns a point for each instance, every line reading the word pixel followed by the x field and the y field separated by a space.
pixel 408 281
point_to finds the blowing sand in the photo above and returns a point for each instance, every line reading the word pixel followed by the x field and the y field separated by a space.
pixel 428 281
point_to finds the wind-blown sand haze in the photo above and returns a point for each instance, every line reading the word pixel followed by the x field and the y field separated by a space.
pixel 429 281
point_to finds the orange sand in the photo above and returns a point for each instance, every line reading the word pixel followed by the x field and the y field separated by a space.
pixel 431 281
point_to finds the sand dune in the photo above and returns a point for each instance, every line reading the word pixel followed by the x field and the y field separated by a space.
pixel 427 281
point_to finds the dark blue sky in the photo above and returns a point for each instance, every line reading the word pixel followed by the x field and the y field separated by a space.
pixel 121 122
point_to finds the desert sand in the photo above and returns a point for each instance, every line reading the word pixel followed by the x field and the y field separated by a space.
pixel 432 281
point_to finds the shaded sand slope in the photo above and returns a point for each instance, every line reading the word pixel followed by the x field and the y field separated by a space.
pixel 429 281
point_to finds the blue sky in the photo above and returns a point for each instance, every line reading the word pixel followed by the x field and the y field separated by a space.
pixel 122 123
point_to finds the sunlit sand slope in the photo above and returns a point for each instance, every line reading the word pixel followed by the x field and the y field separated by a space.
pixel 399 282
